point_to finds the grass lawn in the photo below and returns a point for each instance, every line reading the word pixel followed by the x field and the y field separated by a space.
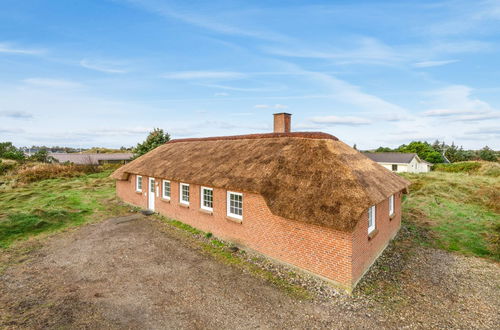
pixel 54 204
pixel 460 212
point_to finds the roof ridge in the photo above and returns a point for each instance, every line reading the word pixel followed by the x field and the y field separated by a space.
pixel 306 135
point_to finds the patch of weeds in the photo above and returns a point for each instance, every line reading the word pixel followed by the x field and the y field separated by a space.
pixel 208 235
pixel 184 227
pixel 216 242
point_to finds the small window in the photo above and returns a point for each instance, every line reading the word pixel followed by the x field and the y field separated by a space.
pixel 371 219
pixel 184 193
pixel 395 167
pixel 391 205
pixel 207 198
pixel 138 183
pixel 235 205
pixel 166 189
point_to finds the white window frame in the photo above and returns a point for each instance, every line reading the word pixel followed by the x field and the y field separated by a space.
pixel 228 202
pixel 372 218
pixel 202 198
pixel 180 193
pixel 137 177
pixel 163 189
pixel 391 205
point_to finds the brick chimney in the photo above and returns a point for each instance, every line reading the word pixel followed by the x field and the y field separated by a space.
pixel 282 122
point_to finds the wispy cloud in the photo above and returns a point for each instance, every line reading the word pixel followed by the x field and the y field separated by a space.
pixel 11 130
pixel 208 75
pixel 340 120
pixel 16 114
pixel 457 103
pixel 52 83
pixel 428 64
pixel 465 17
pixel 103 66
pixel 221 94
pixel 271 88
pixel 8 48
pixel 364 49
pixel 214 21
pixel 270 106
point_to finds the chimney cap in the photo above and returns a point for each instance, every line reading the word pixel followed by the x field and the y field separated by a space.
pixel 282 113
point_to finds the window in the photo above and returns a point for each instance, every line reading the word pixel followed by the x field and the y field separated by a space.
pixel 371 219
pixel 235 205
pixel 184 193
pixel 166 189
pixel 391 205
pixel 395 167
pixel 207 198
pixel 138 183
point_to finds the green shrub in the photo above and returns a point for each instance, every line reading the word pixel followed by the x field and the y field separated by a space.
pixel 462 167
pixel 6 166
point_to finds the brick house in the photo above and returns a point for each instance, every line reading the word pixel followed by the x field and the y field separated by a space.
pixel 302 198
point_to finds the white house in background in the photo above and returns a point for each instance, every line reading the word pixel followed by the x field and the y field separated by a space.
pixel 400 162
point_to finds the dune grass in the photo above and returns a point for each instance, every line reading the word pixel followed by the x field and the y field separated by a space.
pixel 461 212
pixel 53 204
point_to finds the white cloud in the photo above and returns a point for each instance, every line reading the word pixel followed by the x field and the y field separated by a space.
pixel 428 64
pixel 364 49
pixel 269 106
pixel 11 131
pixel 346 93
pixel 221 94
pixel 245 89
pixel 337 120
pixel 194 75
pixel 103 66
pixel 457 103
pixel 52 83
pixel 7 48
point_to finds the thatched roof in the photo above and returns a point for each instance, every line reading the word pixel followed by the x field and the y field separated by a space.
pixel 308 177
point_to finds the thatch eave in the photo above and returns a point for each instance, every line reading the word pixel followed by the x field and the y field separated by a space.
pixel 308 177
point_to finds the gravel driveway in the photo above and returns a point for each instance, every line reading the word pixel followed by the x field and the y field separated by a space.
pixel 145 274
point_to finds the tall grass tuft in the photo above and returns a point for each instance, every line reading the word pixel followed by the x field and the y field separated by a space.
pixel 39 172
pixel 477 168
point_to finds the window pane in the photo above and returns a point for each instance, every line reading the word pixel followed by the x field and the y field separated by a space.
pixel 236 204
pixel 185 193
pixel 208 198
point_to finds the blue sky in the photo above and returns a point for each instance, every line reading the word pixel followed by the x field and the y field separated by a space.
pixel 105 72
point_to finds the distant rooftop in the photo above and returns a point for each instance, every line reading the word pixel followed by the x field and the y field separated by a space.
pixel 390 157
pixel 93 159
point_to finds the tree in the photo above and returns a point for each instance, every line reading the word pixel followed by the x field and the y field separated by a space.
pixel 383 149
pixel 41 155
pixel 487 154
pixel 439 146
pixel 424 150
pixel 155 139
pixel 9 151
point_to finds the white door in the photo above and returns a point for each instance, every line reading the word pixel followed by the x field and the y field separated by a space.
pixel 151 194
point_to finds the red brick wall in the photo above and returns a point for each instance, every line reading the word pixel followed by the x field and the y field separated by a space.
pixel 317 249
pixel 365 249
